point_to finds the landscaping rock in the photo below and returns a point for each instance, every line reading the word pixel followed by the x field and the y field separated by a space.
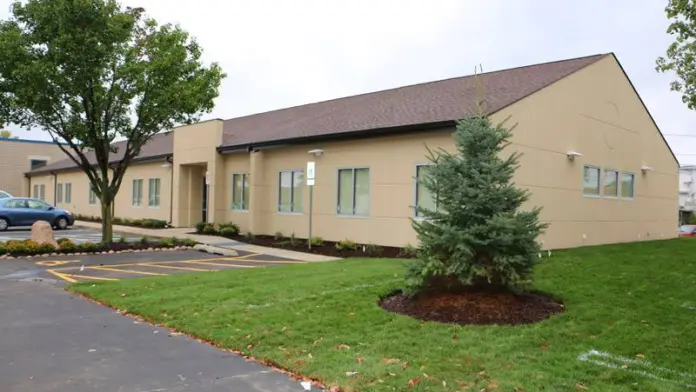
pixel 216 250
pixel 42 233
pixel 111 251
pixel 54 254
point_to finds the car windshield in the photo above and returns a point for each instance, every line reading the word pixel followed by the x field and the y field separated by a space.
pixel 687 228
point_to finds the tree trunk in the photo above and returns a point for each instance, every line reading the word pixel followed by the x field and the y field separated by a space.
pixel 107 223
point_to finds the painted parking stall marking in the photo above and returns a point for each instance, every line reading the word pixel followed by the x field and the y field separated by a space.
pixel 148 267
pixel 640 367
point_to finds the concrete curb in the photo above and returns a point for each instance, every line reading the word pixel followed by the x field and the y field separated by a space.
pixel 218 250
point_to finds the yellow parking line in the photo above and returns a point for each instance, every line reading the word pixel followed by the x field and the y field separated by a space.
pixel 245 256
pixel 219 264
pixel 127 271
pixel 173 267
pixel 91 277
pixel 272 261
pixel 147 262
pixel 61 276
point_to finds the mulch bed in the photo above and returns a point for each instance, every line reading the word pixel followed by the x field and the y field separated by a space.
pixel 328 248
pixel 474 307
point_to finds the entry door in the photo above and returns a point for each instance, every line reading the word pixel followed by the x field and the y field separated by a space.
pixel 205 201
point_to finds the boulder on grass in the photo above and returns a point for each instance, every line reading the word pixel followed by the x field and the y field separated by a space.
pixel 42 233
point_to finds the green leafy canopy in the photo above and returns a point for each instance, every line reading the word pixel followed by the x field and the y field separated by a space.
pixel 478 233
pixel 91 71
pixel 681 54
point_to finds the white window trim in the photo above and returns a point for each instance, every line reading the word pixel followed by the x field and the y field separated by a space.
pixel 338 192
pixel 582 181
pixel 139 199
pixel 245 180
pixel 59 193
pixel 415 190
pixel 633 185
pixel 89 197
pixel 158 181
pixel 68 185
pixel 618 183
pixel 292 193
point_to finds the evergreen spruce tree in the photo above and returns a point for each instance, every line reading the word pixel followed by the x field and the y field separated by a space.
pixel 477 236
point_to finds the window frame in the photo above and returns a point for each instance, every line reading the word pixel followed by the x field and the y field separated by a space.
pixel 245 188
pixel 92 198
pixel 353 199
pixel 157 195
pixel 42 192
pixel 633 185
pixel 292 172
pixel 35 193
pixel 139 195
pixel 415 190
pixel 59 193
pixel 618 183
pixel 599 181
pixel 68 192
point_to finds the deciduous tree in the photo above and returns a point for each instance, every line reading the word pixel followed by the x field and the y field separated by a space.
pixel 90 72
pixel 680 56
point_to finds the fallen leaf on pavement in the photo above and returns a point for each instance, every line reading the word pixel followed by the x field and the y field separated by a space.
pixel 412 382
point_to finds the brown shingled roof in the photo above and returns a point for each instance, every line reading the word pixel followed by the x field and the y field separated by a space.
pixel 161 144
pixel 420 104
pixel 427 103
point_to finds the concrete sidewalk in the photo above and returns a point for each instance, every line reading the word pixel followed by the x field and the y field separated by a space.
pixel 184 232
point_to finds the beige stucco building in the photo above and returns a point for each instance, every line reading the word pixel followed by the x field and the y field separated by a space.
pixel 18 156
pixel 594 159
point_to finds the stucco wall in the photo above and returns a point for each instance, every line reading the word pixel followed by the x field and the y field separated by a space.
pixel 15 158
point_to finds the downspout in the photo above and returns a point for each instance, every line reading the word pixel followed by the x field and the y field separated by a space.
pixel 55 186
pixel 171 189
pixel 29 186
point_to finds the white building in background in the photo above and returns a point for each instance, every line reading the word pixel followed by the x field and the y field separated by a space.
pixel 687 188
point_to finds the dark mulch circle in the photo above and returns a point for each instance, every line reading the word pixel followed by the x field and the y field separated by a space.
pixel 474 307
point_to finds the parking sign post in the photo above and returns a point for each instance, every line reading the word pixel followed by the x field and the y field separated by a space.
pixel 310 184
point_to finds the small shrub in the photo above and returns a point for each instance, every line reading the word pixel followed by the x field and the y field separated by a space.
pixel 408 251
pixel 137 222
pixel 122 239
pixel 293 240
pixel 46 248
pixel 88 247
pixel 144 240
pixel 66 244
pixel 200 226
pixel 373 249
pixel 116 220
pixel 168 242
pixel 188 242
pixel 127 222
pixel 228 232
pixel 153 223
pixel 316 241
pixel 249 235
pixel 229 225
pixel 209 229
pixel 278 236
pixel 345 245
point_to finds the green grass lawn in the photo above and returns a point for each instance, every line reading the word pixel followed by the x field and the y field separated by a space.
pixel 636 302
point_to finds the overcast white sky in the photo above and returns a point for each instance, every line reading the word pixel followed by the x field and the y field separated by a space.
pixel 280 53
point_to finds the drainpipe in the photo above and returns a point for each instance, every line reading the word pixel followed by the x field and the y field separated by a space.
pixel 171 188
pixel 29 186
pixel 55 186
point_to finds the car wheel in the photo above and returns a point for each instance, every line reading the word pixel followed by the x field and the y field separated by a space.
pixel 61 223
pixel 4 224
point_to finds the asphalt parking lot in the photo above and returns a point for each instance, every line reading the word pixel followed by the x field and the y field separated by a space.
pixel 77 235
pixel 134 265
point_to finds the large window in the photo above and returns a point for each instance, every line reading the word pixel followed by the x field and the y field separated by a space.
pixel 68 193
pixel 611 183
pixel 354 191
pixel 59 193
pixel 153 192
pixel 137 192
pixel 590 181
pixel 240 191
pixel 424 198
pixel 290 191
pixel 92 197
pixel 36 192
pixel 627 185
pixel 40 192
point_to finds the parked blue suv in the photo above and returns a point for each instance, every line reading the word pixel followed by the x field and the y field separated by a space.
pixel 23 211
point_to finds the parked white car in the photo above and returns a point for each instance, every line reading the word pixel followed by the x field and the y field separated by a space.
pixel 4 195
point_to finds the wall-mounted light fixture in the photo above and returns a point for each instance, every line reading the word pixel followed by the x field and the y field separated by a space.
pixel 646 169
pixel 317 152
pixel 572 154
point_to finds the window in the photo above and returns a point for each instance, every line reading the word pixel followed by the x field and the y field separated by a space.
pixel 36 192
pixel 37 205
pixel 153 192
pixel 92 197
pixel 354 191
pixel 42 192
pixel 68 192
pixel 59 193
pixel 424 198
pixel 37 163
pixel 627 185
pixel 137 192
pixel 4 195
pixel 240 191
pixel 290 191
pixel 16 203
pixel 611 183
pixel 590 181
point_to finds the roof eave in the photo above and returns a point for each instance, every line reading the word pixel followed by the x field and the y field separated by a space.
pixel 152 158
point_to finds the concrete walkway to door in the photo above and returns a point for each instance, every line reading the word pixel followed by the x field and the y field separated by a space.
pixel 184 232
